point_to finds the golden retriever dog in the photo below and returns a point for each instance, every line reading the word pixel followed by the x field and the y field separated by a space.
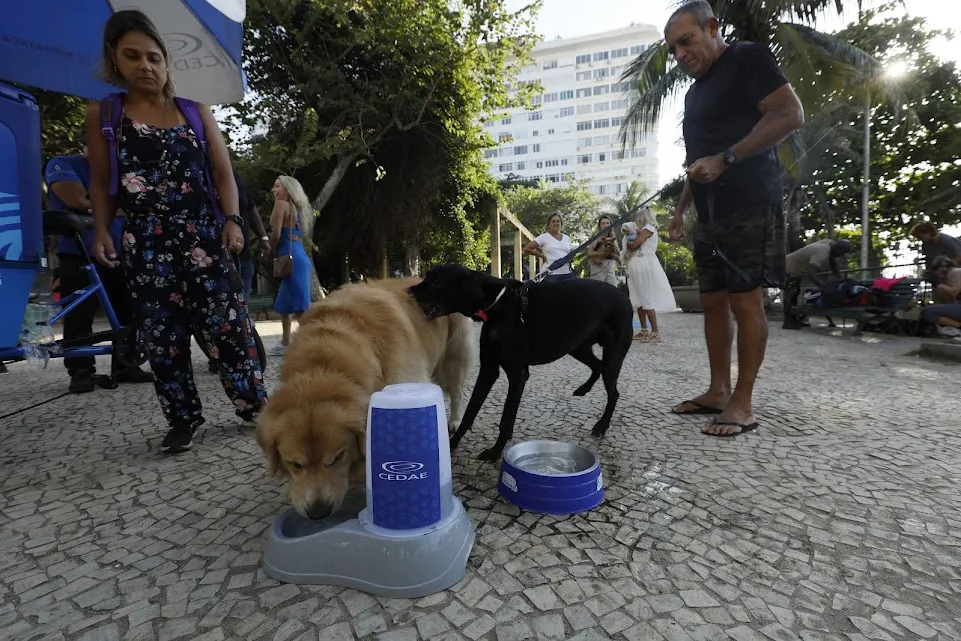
pixel 355 342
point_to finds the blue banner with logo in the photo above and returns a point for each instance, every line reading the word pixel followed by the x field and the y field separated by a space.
pixel 21 225
pixel 405 468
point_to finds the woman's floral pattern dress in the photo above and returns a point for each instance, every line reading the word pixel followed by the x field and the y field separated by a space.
pixel 179 274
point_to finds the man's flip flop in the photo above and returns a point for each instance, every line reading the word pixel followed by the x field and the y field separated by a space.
pixel 745 428
pixel 699 408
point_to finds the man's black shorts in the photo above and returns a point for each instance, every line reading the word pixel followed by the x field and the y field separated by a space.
pixel 742 249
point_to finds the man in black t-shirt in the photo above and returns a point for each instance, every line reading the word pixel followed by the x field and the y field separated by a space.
pixel 738 109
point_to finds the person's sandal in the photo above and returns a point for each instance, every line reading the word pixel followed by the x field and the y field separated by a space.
pixel 651 337
pixel 642 335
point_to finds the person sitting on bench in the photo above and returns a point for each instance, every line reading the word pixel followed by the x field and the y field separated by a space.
pixel 811 261
pixel 946 313
pixel 935 243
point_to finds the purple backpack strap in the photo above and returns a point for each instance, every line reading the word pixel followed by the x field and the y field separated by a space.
pixel 191 113
pixel 111 109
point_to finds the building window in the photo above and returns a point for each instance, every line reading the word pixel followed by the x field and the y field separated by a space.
pixel 550 97
pixel 550 64
pixel 521 166
pixel 534 115
pixel 603 90
pixel 617 155
pixel 584 93
pixel 566 95
pixel 637 50
pixel 564 161
pixel 582 60
pixel 506 167
pixel 602 140
pixel 601 73
pixel 539 164
pixel 565 112
pixel 552 163
pixel 550 132
pixel 617 122
pixel 618 87
pixel 638 153
pixel 489 124
pixel 503 152
pixel 506 121
pixel 536 133
pixel 503 136
pixel 601 55
pixel 602 157
pixel 584 142
pixel 535 149
pixel 583 159
pixel 490 153
pixel 618 53
pixel 619 104
pixel 601 106
pixel 583 75
pixel 584 125
pixel 522 149
pixel 583 109
pixel 603 123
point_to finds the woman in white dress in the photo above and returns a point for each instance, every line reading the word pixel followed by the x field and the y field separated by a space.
pixel 550 246
pixel 647 283
pixel 600 264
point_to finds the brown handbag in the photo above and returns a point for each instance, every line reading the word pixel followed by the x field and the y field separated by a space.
pixel 284 265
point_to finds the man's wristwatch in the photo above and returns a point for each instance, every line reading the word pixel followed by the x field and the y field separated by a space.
pixel 237 218
pixel 266 239
pixel 729 157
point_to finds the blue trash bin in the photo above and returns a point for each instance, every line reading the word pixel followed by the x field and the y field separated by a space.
pixel 21 225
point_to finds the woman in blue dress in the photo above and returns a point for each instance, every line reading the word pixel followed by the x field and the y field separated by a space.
pixel 290 224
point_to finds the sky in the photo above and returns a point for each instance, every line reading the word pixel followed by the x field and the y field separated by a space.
pixel 571 18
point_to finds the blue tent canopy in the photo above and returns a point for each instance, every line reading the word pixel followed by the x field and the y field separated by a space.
pixel 57 45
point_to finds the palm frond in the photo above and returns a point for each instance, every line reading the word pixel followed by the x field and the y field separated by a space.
pixel 654 80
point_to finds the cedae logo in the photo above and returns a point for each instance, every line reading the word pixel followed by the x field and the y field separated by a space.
pixel 402 471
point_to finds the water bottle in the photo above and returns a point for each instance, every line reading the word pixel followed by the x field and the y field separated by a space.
pixel 409 483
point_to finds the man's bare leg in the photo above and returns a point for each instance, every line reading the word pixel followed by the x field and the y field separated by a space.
pixel 748 308
pixel 719 335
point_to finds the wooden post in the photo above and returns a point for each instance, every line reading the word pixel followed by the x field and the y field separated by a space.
pixel 495 241
pixel 518 255
pixel 385 263
pixel 532 265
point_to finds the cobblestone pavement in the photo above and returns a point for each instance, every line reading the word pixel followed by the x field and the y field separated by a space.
pixel 837 520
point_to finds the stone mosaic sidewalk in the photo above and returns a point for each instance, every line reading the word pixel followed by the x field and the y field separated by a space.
pixel 839 519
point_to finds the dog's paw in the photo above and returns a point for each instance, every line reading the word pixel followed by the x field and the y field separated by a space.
pixel 582 390
pixel 489 455
pixel 599 430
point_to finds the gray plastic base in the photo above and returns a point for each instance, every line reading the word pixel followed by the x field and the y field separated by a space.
pixel 340 551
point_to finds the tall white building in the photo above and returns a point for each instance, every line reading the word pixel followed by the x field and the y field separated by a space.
pixel 573 133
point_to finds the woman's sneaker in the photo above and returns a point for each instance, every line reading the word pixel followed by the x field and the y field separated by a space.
pixel 179 439
pixel 248 418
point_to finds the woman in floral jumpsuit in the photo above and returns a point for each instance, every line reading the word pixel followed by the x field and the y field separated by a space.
pixel 175 252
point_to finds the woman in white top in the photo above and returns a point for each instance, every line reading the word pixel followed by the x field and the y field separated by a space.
pixel 600 264
pixel 647 283
pixel 550 246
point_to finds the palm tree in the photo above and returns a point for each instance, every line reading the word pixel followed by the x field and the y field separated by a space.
pixel 817 64
pixel 822 69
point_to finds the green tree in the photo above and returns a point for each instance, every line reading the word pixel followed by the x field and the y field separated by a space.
pixel 816 63
pixel 373 106
pixel 915 140
pixel 533 206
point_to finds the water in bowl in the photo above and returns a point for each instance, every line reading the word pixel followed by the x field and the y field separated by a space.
pixel 547 464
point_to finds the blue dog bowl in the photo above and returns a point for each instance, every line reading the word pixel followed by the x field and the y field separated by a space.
pixel 551 477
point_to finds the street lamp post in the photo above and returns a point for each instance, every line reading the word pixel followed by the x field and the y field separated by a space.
pixel 866 188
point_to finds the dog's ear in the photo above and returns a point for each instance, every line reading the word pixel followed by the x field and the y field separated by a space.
pixel 267 440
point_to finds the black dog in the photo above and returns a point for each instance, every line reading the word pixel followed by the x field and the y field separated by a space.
pixel 532 327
